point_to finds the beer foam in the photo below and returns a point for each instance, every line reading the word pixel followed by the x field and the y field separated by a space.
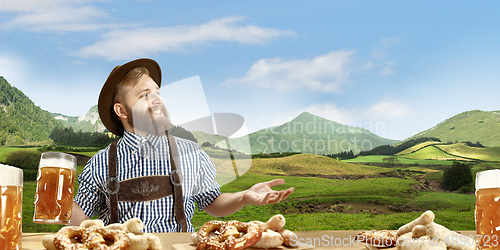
pixel 488 179
pixel 10 176
pixel 56 159
pixel 54 162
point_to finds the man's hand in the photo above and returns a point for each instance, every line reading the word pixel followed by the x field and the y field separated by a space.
pixel 262 194
pixel 258 194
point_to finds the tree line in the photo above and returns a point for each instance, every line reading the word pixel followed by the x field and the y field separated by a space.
pixel 68 137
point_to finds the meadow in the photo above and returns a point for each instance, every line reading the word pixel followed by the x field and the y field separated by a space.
pixel 334 195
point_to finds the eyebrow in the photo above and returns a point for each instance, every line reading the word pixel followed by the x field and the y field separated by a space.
pixel 147 90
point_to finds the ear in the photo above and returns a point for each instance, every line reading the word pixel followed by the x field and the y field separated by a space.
pixel 120 110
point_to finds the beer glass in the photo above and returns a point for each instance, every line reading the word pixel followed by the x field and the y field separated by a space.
pixel 488 209
pixel 54 188
pixel 11 203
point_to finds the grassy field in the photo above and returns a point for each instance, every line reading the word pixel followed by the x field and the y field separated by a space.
pixel 312 192
pixel 401 160
pixel 417 147
pixel 453 210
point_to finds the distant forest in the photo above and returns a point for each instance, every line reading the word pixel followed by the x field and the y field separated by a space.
pixel 67 137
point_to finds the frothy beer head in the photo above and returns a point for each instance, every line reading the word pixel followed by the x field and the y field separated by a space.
pixel 57 159
pixel 488 179
pixel 10 176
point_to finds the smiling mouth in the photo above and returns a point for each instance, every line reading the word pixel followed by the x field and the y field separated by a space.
pixel 156 111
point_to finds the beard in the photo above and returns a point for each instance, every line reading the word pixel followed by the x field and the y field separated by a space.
pixel 147 122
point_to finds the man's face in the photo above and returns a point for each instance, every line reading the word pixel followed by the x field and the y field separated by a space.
pixel 145 108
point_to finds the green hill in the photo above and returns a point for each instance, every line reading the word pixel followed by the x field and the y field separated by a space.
pixel 310 165
pixel 451 152
pixel 473 126
pixel 306 133
pixel 21 120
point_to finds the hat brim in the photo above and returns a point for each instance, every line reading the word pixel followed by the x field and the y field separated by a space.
pixel 105 103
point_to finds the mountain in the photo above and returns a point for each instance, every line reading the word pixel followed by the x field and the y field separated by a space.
pixel 88 123
pixel 21 120
pixel 306 133
pixel 473 126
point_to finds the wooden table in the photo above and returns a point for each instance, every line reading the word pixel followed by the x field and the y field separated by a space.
pixel 342 240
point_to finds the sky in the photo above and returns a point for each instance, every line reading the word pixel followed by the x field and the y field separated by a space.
pixel 394 67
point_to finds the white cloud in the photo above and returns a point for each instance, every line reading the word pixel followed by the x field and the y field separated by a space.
pixel 66 16
pixel 380 53
pixel 388 109
pixel 128 43
pixel 326 73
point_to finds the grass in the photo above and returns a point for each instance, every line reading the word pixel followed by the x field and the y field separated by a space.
pixel 312 165
pixel 452 210
pixel 401 160
pixel 417 147
pixel 483 154
pixel 4 151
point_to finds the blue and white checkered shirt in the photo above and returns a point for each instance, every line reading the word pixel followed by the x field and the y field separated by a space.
pixel 144 156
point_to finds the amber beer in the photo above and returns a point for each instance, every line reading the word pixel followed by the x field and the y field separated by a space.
pixel 11 203
pixel 54 191
pixel 488 209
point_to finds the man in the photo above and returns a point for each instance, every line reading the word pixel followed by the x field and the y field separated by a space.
pixel 152 176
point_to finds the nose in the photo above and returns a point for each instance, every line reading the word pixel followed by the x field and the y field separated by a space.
pixel 155 98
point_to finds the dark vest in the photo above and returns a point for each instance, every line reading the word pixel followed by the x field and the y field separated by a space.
pixel 146 188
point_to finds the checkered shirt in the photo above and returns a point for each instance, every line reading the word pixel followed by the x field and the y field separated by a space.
pixel 144 156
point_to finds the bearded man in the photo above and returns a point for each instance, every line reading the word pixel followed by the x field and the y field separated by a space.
pixel 147 173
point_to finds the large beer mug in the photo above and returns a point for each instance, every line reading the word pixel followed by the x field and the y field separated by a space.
pixel 488 209
pixel 11 203
pixel 54 188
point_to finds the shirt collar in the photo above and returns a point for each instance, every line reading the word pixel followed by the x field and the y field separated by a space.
pixel 135 141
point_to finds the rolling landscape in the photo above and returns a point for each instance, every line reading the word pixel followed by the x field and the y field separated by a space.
pixel 367 191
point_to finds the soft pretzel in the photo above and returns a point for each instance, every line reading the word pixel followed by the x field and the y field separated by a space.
pixel 96 238
pixel 227 235
pixel 91 223
pixel 252 234
pixel 117 226
pixel 62 239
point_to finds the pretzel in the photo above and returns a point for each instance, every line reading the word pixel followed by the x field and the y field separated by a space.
pixel 62 239
pixel 90 223
pixel 96 238
pixel 425 219
pixel 226 235
pixel 252 234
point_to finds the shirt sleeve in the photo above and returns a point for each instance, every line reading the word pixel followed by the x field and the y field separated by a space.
pixel 89 193
pixel 207 186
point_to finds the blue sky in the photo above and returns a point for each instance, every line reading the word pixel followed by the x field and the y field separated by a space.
pixel 395 67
